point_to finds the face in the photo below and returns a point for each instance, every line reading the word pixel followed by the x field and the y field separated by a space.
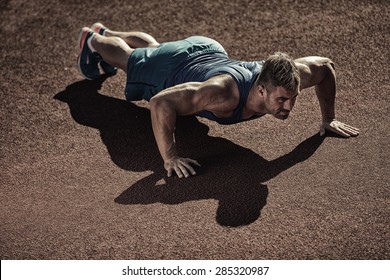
pixel 279 102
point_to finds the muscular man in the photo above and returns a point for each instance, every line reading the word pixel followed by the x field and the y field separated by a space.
pixel 195 76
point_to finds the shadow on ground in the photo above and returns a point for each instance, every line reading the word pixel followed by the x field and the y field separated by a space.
pixel 230 174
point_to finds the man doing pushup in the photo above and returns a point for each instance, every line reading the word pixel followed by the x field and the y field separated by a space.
pixel 195 76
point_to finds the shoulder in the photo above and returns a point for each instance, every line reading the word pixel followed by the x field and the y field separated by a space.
pixel 226 85
pixel 222 92
pixel 312 69
pixel 313 61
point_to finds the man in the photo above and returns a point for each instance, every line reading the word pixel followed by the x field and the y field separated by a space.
pixel 195 77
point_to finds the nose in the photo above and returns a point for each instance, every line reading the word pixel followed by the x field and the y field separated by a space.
pixel 288 105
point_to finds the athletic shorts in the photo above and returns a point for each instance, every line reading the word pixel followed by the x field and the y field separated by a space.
pixel 149 68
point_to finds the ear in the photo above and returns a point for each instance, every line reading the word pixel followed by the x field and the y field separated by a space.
pixel 261 90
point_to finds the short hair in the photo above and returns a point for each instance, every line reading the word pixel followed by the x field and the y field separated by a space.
pixel 279 69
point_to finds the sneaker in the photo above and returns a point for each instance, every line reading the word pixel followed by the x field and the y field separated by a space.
pixel 107 68
pixel 87 60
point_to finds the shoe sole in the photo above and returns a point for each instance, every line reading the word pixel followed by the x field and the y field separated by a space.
pixel 81 41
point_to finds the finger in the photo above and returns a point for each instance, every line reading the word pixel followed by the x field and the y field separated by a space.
pixel 350 131
pixel 335 127
pixel 184 170
pixel 347 127
pixel 351 127
pixel 189 168
pixel 194 162
pixel 178 172
pixel 169 172
pixel 354 131
pixel 340 132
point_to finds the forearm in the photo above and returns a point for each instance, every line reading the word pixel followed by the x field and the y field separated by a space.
pixel 319 72
pixel 163 116
pixel 163 123
pixel 326 93
pixel 165 107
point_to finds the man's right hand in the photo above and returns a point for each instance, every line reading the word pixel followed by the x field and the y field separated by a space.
pixel 181 166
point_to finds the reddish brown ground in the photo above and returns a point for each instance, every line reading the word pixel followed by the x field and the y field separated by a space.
pixel 81 177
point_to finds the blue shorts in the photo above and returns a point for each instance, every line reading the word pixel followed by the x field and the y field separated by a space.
pixel 149 68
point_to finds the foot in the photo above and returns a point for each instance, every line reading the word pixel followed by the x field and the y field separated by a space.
pixel 87 60
pixel 107 68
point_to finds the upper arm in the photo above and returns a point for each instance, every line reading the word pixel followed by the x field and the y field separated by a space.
pixel 193 97
pixel 313 69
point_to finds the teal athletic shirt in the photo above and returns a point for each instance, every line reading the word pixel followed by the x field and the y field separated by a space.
pixel 194 59
pixel 205 66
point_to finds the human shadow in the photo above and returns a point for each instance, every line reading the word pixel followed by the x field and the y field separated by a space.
pixel 231 174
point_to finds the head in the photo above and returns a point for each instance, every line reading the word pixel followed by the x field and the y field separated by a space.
pixel 278 83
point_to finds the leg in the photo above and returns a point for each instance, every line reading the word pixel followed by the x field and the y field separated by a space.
pixel 94 47
pixel 135 39
pixel 113 50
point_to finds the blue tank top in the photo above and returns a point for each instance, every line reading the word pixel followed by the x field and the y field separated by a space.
pixel 201 68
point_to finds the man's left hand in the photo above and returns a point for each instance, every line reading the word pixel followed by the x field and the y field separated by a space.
pixel 339 128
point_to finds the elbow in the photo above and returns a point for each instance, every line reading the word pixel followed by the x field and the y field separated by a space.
pixel 157 110
pixel 156 104
pixel 160 108
pixel 153 102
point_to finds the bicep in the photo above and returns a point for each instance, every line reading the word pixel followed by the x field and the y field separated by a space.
pixel 313 69
pixel 177 98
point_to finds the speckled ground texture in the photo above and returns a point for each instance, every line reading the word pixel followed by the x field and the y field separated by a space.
pixel 81 177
